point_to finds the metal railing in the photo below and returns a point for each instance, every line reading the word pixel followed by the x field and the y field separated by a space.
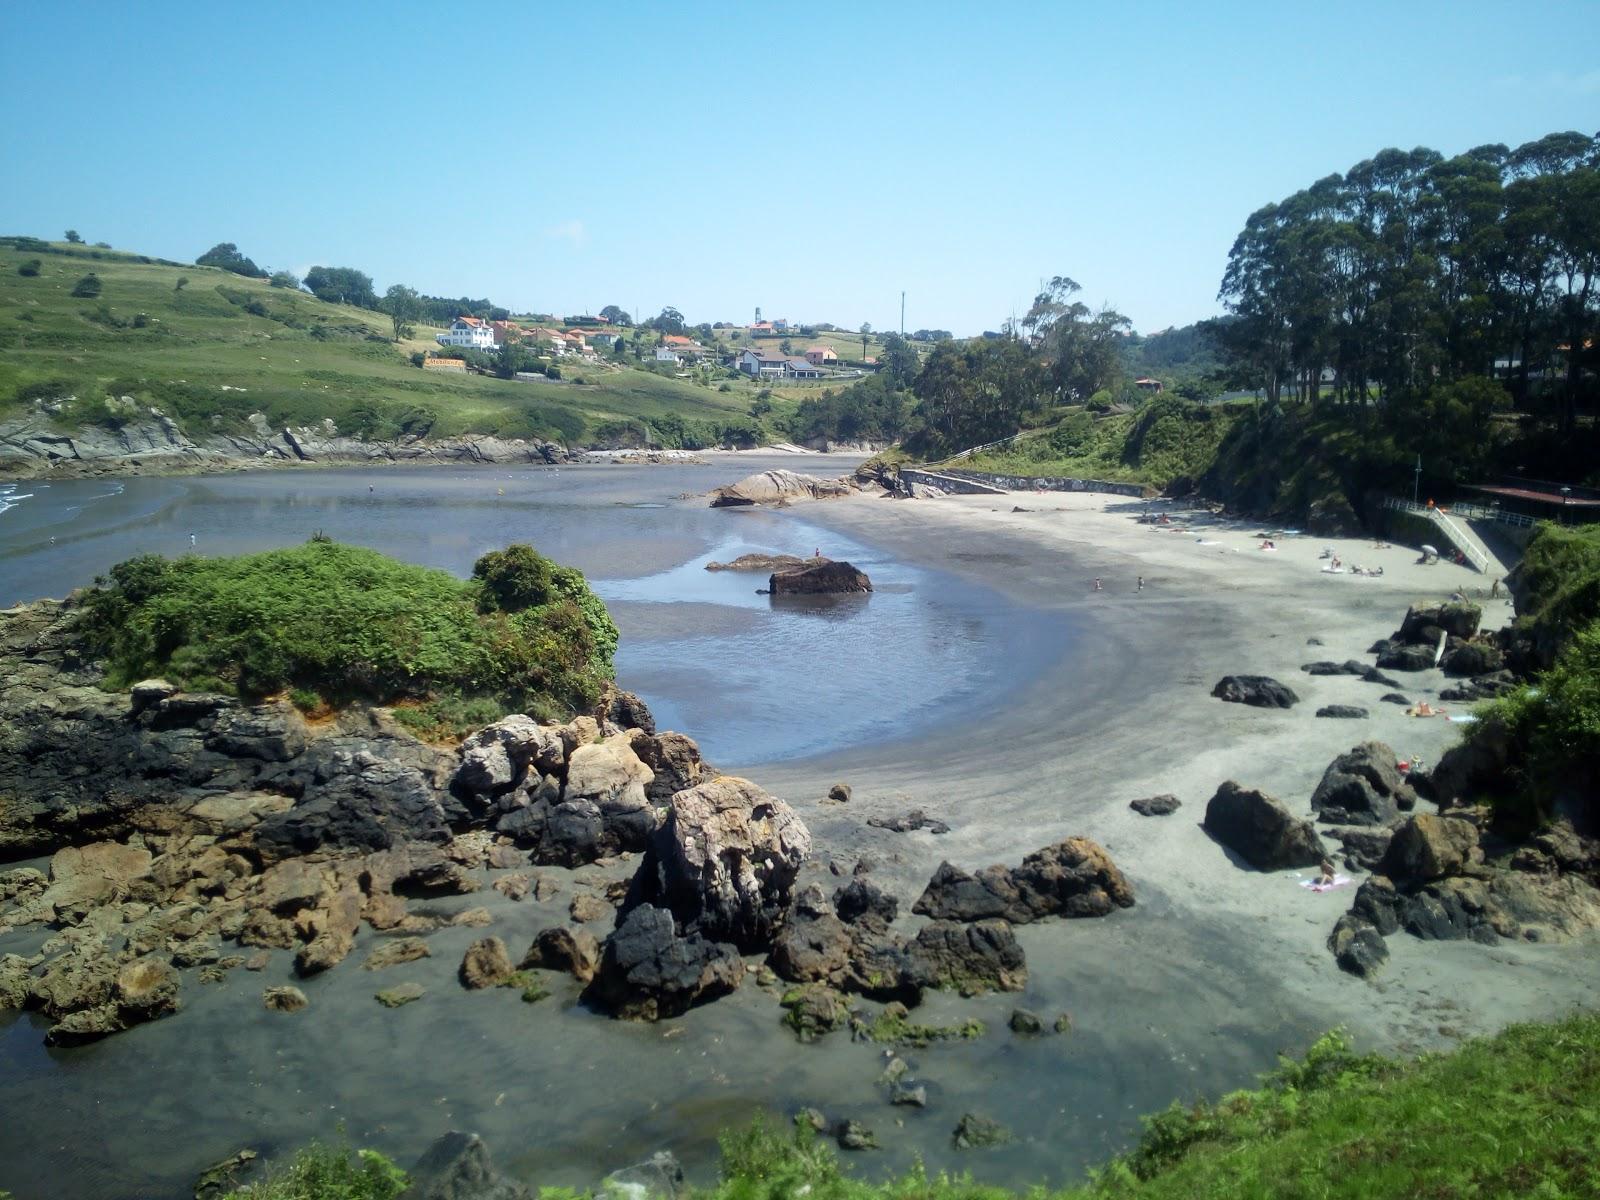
pixel 970 451
pixel 1457 537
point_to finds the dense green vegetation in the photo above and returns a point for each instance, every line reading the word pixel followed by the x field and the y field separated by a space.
pixel 209 347
pixel 327 1172
pixel 331 624
pixel 1516 1115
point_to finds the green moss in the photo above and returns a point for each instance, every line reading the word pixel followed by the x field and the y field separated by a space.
pixel 340 623
pixel 321 1172
pixel 894 1027
pixel 532 987
pixel 1557 587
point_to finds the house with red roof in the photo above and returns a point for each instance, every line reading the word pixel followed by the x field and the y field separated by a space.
pixel 469 332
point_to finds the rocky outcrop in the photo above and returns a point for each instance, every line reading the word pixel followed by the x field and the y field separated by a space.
pixel 724 862
pixel 1363 787
pixel 565 948
pixel 486 964
pixel 1415 646
pixel 819 577
pixel 1073 878
pixel 1260 829
pixel 765 563
pixel 648 970
pixel 458 1167
pixel 779 487
pixel 1259 691
pixel 1428 847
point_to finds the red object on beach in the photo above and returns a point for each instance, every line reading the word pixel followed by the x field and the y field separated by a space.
pixel 1403 766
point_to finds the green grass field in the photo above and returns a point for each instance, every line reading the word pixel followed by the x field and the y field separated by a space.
pixel 222 347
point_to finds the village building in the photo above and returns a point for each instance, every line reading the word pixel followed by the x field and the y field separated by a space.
pixel 468 332
pixel 821 355
pixel 759 362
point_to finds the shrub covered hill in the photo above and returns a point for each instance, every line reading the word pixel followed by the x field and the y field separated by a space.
pixel 331 624
pixel 91 338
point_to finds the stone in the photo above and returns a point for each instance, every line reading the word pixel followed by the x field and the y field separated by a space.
pixel 564 948
pixel 149 692
pixel 813 1010
pixel 673 760
pixel 401 994
pixel 909 823
pixel 778 487
pixel 586 907
pixel 1025 1022
pixel 840 792
pixel 853 1135
pixel 863 900
pixel 1363 786
pixel 513 887
pixel 284 999
pixel 1259 691
pixel 724 862
pixel 1073 878
pixel 274 732
pixel 659 1177
pixel 908 1095
pixel 1407 658
pixel 819 577
pixel 970 958
pixel 89 877
pixel 472 918
pixel 486 964
pixel 1063 1023
pixel 394 951
pixel 1364 848
pixel 1156 806
pixel 1260 829
pixel 504 858
pixel 1377 902
pixel 1347 712
pixel 496 758
pixel 1395 698
pixel 648 970
pixel 258 961
pixel 1357 946
pixel 1428 846
pixel 813 1119
pixel 977 1132
pixel 458 1167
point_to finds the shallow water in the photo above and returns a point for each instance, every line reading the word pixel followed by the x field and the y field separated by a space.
pixel 752 678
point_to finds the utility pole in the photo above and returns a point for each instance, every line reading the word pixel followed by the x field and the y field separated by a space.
pixel 1416 485
pixel 902 314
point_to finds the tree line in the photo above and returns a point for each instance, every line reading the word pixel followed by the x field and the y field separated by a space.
pixel 1413 271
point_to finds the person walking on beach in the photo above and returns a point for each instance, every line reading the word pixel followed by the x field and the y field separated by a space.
pixel 1097 586
pixel 1141 584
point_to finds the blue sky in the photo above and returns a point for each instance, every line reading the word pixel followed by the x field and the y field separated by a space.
pixel 814 159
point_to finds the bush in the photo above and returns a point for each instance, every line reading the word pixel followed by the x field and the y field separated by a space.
pixel 88 287
pixel 350 624
pixel 552 372
pixel 321 1172
pixel 30 268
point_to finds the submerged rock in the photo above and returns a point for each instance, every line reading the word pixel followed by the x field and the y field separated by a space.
pixel 284 999
pixel 978 1132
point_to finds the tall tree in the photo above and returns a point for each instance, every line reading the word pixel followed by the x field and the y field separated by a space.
pixel 226 255
pixel 404 306
pixel 342 285
pixel 615 315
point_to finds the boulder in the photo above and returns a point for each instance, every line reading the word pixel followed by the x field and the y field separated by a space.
pixel 486 964
pixel 626 710
pixel 1407 657
pixel 400 995
pixel 839 793
pixel 1483 687
pixel 1364 848
pixel 977 1132
pixel 862 900
pixel 1363 787
pixel 89 877
pixel 146 988
pixel 458 1167
pixel 724 862
pixel 1427 846
pixel 909 823
pixel 274 732
pixel 819 577
pixel 648 970
pixel 814 943
pixel 1259 691
pixel 284 999
pixel 814 1010
pixel 496 758
pixel 778 487
pixel 1357 946
pixel 1395 698
pixel 1347 712
pixel 1422 622
pixel 1073 878
pixel 394 951
pixel 1473 658
pixel 565 948
pixel 1260 829
pixel 1156 806
pixel 1025 1022
pixel 970 958
pixel 673 760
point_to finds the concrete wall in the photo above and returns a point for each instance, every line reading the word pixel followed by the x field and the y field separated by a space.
pixel 1029 483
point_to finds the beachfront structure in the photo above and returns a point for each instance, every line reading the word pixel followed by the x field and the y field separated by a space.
pixel 468 332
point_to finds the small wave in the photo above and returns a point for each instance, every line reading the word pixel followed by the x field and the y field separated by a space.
pixel 9 500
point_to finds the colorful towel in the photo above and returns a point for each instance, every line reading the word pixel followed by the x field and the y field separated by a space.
pixel 1314 885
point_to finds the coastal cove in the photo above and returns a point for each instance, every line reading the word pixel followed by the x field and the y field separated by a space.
pixel 1075 702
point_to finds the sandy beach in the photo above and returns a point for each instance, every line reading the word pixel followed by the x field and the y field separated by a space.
pixel 1131 716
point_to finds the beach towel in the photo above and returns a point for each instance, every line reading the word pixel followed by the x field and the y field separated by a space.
pixel 1314 885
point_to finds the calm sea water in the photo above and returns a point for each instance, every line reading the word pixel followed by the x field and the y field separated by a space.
pixel 753 679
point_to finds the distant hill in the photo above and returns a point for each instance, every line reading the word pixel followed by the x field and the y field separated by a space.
pixel 211 348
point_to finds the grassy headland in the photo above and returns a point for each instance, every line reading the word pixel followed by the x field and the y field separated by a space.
pixel 331 624
pixel 209 348
pixel 1514 1115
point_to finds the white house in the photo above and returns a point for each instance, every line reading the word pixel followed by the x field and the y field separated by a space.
pixel 758 362
pixel 469 332
pixel 666 354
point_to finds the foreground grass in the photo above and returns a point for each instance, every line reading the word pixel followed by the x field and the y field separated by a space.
pixel 1515 1115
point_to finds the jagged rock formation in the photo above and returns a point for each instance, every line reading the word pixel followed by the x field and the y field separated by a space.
pixel 779 487
pixel 1260 829
pixel 1073 878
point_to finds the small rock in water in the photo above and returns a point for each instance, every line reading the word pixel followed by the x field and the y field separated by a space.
pixel 894 1070
pixel 840 792
pixel 400 994
pixel 1063 1023
pixel 1025 1022
pixel 544 887
pixel 975 1132
pixel 222 1178
pixel 258 961
pixel 396 951
pixel 812 1118
pixel 284 999
pixel 909 1095
pixel 853 1135
pixel 909 823
pixel 659 1177
pixel 513 887
pixel 585 907
pixel 485 964
pixel 473 918
pixel 1156 806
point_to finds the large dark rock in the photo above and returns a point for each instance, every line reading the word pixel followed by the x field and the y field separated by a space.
pixel 1428 846
pixel 862 900
pixel 1482 687
pixel 458 1167
pixel 819 577
pixel 1261 830
pixel 566 948
pixel 1407 657
pixel 1422 622
pixel 969 958
pixel 724 862
pixel 1363 787
pixel 1473 658
pixel 1163 805
pixel 1073 878
pixel 1357 946
pixel 1259 691
pixel 648 971
pixel 1347 712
